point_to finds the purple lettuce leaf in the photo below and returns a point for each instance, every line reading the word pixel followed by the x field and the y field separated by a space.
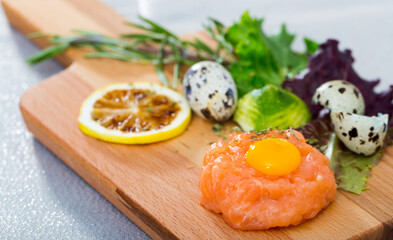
pixel 318 132
pixel 329 63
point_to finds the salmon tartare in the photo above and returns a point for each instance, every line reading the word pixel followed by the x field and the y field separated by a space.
pixel 249 199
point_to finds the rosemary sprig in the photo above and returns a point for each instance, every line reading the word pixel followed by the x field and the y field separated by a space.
pixel 157 46
pixel 176 70
pixel 47 53
pixel 216 30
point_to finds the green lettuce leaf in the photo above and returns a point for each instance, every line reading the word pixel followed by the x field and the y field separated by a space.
pixel 271 106
pixel 351 170
pixel 263 59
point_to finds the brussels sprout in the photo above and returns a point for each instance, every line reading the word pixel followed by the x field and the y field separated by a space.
pixel 271 106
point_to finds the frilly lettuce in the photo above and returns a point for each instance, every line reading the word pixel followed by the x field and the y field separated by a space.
pixel 263 59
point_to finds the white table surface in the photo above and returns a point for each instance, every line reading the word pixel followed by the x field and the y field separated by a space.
pixel 41 198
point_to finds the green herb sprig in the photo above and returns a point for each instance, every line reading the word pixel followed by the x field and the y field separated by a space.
pixel 157 46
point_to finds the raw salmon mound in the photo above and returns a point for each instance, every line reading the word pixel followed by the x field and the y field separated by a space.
pixel 251 200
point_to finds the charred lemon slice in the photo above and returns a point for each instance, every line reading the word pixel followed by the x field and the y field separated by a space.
pixel 134 113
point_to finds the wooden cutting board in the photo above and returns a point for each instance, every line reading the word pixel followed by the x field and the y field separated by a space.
pixel 154 186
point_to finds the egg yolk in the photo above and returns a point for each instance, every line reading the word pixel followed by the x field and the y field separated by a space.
pixel 274 156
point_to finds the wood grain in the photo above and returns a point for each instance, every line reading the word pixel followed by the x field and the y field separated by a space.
pixel 154 186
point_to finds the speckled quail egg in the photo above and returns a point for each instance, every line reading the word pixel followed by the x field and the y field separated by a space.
pixel 340 96
pixel 210 91
pixel 360 134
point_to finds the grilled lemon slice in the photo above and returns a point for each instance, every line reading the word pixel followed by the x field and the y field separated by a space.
pixel 134 113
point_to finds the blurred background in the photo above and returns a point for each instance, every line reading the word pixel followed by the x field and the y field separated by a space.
pixel 41 198
pixel 363 26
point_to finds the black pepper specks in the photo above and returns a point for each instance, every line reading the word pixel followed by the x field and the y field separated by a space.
pixel 371 129
pixel 198 85
pixel 330 86
pixel 327 103
pixel 355 111
pixel 344 134
pixel 203 70
pixel 362 142
pixel 318 96
pixel 211 95
pixel 385 127
pixel 341 90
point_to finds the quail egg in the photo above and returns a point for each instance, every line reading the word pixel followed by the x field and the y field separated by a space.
pixel 340 96
pixel 210 91
pixel 360 134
